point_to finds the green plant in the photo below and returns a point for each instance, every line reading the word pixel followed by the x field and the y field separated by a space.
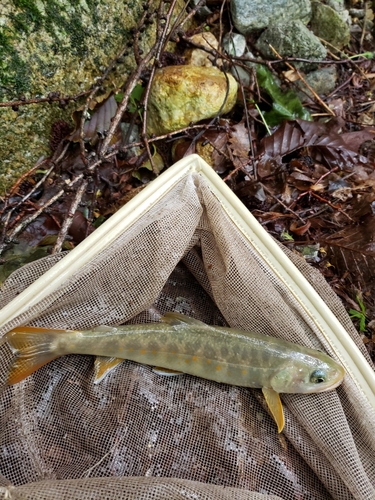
pixel 134 99
pixel 285 105
pixel 360 315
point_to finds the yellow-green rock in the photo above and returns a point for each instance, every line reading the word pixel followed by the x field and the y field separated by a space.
pixel 183 94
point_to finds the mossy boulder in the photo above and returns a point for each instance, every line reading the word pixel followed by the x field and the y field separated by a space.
pixel 57 46
pixel 327 23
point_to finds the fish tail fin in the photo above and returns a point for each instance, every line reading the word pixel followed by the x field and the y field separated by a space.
pixel 33 347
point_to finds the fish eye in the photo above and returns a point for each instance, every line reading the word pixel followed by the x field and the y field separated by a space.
pixel 318 376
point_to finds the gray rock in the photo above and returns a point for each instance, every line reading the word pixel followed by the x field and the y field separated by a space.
pixel 337 5
pixel 234 44
pixel 359 13
pixel 327 23
pixel 292 39
pixel 253 15
pixel 241 74
pixel 322 80
pixel 203 11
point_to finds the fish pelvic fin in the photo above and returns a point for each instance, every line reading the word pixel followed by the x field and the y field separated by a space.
pixel 103 366
pixel 166 372
pixel 275 406
pixel 33 347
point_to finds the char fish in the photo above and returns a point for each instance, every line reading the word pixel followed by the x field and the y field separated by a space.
pixel 180 344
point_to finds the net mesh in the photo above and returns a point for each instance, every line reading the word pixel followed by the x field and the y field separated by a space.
pixel 140 435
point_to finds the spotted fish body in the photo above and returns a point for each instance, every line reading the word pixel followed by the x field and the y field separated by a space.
pixel 182 344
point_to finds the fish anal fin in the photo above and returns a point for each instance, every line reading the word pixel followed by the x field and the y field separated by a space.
pixel 275 405
pixel 103 366
pixel 175 318
pixel 165 371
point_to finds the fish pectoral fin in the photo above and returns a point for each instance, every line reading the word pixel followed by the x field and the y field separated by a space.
pixel 165 371
pixel 175 318
pixel 103 366
pixel 275 405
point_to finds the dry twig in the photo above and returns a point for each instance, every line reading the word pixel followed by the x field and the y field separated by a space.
pixel 69 218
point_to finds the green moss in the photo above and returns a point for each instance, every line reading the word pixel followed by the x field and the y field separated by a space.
pixel 28 7
pixel 76 33
pixel 14 76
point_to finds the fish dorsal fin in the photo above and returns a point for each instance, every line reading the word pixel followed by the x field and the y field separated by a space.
pixel 276 408
pixel 175 318
pixel 103 329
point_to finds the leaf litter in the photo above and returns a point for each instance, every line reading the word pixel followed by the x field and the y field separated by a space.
pixel 306 176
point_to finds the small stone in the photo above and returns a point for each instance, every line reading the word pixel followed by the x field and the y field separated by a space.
pixel 328 24
pixel 203 11
pixel 234 44
pixel 292 39
pixel 322 80
pixel 199 57
pixel 183 94
pixel 358 13
pixel 337 5
pixel 242 75
pixel 253 15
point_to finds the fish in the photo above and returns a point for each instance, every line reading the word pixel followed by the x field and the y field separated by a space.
pixel 180 344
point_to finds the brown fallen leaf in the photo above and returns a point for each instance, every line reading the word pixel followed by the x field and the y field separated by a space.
pixel 352 251
pixel 98 123
pixel 324 144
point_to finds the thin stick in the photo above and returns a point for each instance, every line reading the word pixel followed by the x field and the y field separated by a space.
pixel 137 56
pixel 30 219
pixel 178 23
pixel 362 34
pixel 39 183
pixel 54 98
pixel 156 62
pixel 122 107
pixel 24 176
pixel 283 204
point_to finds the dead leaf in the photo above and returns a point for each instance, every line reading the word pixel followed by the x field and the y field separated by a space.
pixel 239 145
pixel 300 230
pixel 325 145
pixel 352 251
pixel 99 122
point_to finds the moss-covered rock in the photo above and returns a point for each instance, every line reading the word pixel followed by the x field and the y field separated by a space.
pixel 183 94
pixel 56 46
pixel 292 39
pixel 328 24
